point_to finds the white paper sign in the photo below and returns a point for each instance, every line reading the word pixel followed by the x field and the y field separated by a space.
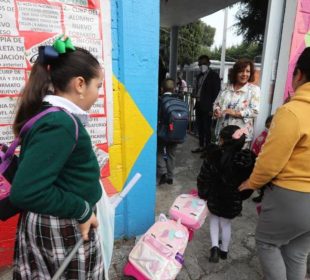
pixel 12 52
pixel 11 81
pixel 7 110
pixel 92 45
pixel 6 134
pixel 34 50
pixel 81 22
pixel 97 130
pixel 73 2
pixel 98 107
pixel 39 17
pixel 7 18
pixel 102 156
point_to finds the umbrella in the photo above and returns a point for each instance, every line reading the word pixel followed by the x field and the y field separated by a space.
pixel 105 216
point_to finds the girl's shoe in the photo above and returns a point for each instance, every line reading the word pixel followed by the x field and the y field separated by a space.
pixel 214 254
pixel 169 181
pixel 198 150
pixel 223 255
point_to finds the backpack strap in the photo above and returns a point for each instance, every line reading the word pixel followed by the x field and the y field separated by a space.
pixel 10 151
pixel 2 154
pixel 76 126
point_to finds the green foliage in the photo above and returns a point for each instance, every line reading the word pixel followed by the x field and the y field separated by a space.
pixel 194 39
pixel 252 20
pixel 234 53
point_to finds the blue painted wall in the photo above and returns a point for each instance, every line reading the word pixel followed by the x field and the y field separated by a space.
pixel 135 41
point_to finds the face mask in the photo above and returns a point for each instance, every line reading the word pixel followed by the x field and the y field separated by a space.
pixel 203 68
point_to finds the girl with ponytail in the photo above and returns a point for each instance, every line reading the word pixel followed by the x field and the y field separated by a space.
pixel 57 182
pixel 225 167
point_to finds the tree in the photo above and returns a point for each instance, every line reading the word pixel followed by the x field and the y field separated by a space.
pixel 252 20
pixel 193 40
pixel 234 53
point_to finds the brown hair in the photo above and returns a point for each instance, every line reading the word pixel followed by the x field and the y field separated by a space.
pixel 168 85
pixel 58 74
pixel 238 67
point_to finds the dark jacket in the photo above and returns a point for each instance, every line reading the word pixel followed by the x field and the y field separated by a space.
pixel 210 90
pixel 218 182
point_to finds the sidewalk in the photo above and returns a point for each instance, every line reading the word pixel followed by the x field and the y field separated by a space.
pixel 242 263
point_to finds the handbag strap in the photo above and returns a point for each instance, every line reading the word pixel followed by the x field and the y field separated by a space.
pixel 11 150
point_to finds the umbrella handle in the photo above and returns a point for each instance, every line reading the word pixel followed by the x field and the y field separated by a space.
pixel 67 260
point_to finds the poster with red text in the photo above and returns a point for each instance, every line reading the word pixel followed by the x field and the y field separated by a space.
pixel 27 24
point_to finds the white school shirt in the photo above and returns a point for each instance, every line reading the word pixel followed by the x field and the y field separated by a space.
pixel 68 105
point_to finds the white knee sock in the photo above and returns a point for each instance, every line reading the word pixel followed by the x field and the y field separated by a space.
pixel 214 229
pixel 225 225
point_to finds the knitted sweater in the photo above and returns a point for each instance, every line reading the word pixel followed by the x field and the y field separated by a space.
pixel 284 159
pixel 57 176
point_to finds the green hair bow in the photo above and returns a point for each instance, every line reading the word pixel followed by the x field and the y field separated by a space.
pixel 63 44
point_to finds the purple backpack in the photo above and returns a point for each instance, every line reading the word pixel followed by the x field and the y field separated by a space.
pixel 9 163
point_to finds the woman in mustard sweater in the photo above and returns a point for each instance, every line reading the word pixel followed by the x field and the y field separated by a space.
pixel 283 230
pixel 57 181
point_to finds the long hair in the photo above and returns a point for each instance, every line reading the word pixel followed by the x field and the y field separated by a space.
pixel 56 74
pixel 230 145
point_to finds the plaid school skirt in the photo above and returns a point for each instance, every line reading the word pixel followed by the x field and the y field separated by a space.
pixel 42 244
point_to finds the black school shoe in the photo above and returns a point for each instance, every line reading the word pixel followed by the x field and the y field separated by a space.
pixel 214 254
pixel 198 150
pixel 223 255
pixel 169 181
pixel 163 179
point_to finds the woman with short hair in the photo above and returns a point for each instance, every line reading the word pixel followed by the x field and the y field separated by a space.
pixel 238 103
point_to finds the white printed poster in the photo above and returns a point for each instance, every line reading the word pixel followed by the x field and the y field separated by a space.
pixel 27 24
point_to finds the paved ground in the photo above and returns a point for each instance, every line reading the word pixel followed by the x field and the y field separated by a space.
pixel 242 263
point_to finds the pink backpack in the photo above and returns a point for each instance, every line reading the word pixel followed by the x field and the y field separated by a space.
pixel 190 209
pixel 158 255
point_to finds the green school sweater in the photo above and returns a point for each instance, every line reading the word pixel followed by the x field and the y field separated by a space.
pixel 52 178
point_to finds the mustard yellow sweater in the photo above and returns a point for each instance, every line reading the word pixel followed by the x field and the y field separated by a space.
pixel 285 156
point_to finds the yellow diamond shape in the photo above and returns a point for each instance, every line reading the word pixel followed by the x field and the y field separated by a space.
pixel 131 133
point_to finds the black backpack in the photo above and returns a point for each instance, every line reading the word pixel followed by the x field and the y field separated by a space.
pixel 173 119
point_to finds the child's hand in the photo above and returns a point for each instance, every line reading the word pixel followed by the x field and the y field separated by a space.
pixel 84 228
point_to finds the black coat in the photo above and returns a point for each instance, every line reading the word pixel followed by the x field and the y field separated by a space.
pixel 209 91
pixel 218 183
